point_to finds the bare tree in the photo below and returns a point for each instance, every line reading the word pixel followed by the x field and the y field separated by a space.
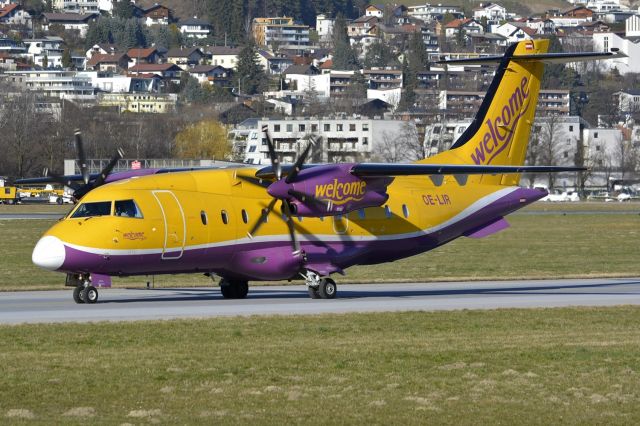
pixel 390 149
pixel 625 156
pixel 551 133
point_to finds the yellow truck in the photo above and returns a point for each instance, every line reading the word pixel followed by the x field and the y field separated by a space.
pixel 8 194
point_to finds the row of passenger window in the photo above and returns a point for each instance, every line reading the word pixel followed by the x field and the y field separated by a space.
pixel 245 215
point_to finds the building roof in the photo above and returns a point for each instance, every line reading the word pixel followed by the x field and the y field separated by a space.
pixel 327 65
pixel 182 53
pixel 141 53
pixel 194 22
pixel 101 58
pixel 70 17
pixel 223 50
pixel 198 69
pixel 457 23
pixel 154 67
pixel 6 10
pixel 302 70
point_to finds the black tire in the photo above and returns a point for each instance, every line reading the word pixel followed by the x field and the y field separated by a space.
pixel 77 295
pixel 313 292
pixel 327 288
pixel 59 200
pixel 234 289
pixel 90 295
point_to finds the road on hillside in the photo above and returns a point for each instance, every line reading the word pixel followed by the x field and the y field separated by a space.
pixel 153 304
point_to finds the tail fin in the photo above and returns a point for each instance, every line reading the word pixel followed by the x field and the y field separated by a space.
pixel 499 133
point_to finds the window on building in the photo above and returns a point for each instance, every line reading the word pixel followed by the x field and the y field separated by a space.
pixel 289 128
pixel 365 127
pixel 339 127
pixel 352 127
pixel 365 141
pixel 565 154
pixel 264 141
pixel 327 127
pixel 301 127
pixel 252 148
pixel 314 128
pixel 571 128
pixel 276 127
pixel 595 135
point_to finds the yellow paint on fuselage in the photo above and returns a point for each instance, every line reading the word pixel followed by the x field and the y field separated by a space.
pixel 218 192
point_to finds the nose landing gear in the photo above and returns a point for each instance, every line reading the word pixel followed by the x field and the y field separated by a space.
pixel 83 291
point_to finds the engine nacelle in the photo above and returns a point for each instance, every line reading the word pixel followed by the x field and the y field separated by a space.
pixel 334 184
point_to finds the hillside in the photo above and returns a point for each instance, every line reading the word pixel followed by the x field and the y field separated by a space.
pixel 186 8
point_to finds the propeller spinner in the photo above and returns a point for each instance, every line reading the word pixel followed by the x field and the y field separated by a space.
pixel 290 193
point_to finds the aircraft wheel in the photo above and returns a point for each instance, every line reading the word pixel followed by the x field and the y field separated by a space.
pixel 90 294
pixel 234 289
pixel 327 288
pixel 313 292
pixel 77 295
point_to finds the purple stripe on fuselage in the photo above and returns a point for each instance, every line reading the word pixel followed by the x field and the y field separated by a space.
pixel 246 260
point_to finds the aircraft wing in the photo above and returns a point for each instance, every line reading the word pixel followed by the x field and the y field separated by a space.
pixel 401 169
pixel 547 58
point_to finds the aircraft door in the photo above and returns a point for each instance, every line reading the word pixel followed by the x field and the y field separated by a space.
pixel 175 232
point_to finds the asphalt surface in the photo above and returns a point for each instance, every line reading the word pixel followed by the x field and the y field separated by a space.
pixel 45 216
pixel 154 304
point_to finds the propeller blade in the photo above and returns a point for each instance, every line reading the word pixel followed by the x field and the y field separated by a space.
pixel 255 181
pixel 82 159
pixel 61 180
pixel 262 219
pixel 275 161
pixel 109 167
pixel 292 231
pixel 297 166
pixel 306 198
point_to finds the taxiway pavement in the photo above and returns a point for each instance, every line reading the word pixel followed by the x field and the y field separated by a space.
pixel 165 303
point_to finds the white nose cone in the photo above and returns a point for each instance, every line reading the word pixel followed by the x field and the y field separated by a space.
pixel 48 253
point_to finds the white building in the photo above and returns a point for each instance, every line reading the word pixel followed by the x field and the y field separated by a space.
pixel 77 6
pixel 120 83
pixel 431 12
pixel 604 42
pixel 632 26
pixel 492 12
pixel 53 83
pixel 48 49
pixel 324 27
pixel 343 139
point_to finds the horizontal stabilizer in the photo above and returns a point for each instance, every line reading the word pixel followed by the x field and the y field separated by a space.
pixel 547 58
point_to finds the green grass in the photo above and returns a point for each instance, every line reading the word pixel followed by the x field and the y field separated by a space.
pixel 576 366
pixel 536 246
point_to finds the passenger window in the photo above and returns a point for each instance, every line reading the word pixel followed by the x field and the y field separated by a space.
pixel 101 208
pixel 127 208
pixel 225 217
pixel 203 217
pixel 387 212
pixel 405 210
pixel 361 214
pixel 245 216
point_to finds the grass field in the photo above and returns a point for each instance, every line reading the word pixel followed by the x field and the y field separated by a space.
pixel 536 246
pixel 575 366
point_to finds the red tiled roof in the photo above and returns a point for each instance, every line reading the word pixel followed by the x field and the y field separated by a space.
pixel 457 23
pixel 141 53
pixel 327 65
pixel 7 9
pixel 100 58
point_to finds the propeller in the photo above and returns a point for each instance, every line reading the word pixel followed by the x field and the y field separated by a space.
pixel 80 191
pixel 290 178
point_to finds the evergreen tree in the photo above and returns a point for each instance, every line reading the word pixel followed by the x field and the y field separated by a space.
pixel 379 54
pixel 409 83
pixel 418 58
pixel 123 9
pixel 250 78
pixel 66 58
pixel 344 57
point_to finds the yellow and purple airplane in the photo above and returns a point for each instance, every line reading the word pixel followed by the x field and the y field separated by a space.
pixel 226 221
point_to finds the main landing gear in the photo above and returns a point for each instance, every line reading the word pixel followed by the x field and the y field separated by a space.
pixel 234 289
pixel 83 291
pixel 320 287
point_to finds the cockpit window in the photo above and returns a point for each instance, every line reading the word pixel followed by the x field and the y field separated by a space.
pixel 101 208
pixel 127 208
